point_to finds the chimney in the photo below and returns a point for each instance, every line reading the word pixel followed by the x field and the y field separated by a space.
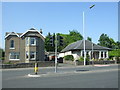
pixel 41 31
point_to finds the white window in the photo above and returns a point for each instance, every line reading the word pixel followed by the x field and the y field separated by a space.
pixel 32 41
pixel 14 56
pixel 32 55
pixel 12 44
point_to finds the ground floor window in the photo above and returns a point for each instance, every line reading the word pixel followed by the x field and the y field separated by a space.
pixel 32 55
pixel 14 55
pixel 101 54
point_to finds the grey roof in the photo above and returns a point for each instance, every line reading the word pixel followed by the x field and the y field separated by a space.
pixel 79 46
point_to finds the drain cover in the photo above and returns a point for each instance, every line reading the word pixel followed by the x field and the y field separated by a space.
pixel 81 70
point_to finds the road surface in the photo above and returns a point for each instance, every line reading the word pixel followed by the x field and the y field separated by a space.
pixel 66 77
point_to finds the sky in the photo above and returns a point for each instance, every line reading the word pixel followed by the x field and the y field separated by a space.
pixel 60 17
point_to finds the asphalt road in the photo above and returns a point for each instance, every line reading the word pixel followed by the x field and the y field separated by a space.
pixel 66 77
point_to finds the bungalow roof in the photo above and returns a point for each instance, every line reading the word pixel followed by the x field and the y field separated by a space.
pixel 78 45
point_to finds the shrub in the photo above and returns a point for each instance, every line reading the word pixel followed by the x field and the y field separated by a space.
pixel 101 59
pixel 87 58
pixel 3 58
pixel 69 57
pixel 81 58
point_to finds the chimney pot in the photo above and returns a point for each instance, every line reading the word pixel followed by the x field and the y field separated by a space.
pixel 41 31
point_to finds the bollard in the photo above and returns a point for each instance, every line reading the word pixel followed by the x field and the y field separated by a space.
pixel 36 68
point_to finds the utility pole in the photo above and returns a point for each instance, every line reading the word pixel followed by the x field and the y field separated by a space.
pixel 55 53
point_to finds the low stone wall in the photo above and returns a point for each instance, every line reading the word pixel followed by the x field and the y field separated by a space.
pixel 89 62
pixel 26 65
pixel 95 62
pixel 69 62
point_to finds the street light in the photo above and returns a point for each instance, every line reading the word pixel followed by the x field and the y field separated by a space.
pixel 84 33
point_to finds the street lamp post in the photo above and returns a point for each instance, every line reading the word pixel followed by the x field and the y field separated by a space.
pixel 84 37
pixel 84 34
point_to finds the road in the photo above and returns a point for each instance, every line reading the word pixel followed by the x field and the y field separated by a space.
pixel 66 77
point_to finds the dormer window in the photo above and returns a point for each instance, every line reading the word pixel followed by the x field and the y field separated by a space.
pixel 12 44
pixel 32 41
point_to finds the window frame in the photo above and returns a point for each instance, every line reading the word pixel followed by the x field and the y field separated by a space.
pixel 31 41
pixel 16 54
pixel 34 53
pixel 11 44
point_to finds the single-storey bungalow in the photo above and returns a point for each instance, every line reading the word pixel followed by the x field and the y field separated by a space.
pixel 93 50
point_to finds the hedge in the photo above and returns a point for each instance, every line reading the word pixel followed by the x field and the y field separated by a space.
pixel 69 57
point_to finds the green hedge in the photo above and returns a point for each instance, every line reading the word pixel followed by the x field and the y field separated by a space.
pixel 69 57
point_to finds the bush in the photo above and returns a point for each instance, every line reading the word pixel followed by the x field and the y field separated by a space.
pixel 81 58
pixel 69 57
pixel 2 58
pixel 87 58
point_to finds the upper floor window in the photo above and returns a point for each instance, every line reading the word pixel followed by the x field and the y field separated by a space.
pixel 32 41
pixel 12 44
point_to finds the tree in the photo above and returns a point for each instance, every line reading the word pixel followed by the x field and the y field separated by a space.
pixel 73 36
pixel 48 47
pixel 118 45
pixel 89 39
pixel 2 54
pixel 105 41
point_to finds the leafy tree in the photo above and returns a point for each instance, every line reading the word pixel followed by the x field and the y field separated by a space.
pixel 89 39
pixel 48 47
pixel 73 36
pixel 105 41
pixel 2 54
pixel 118 45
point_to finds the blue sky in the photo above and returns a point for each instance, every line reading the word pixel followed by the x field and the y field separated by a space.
pixel 60 17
